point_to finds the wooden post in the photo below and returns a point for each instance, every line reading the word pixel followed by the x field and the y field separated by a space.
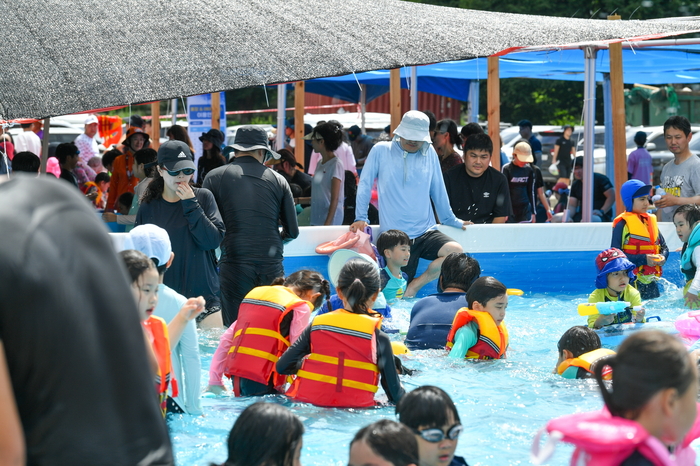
pixel 155 125
pixel 45 146
pixel 299 91
pixel 215 110
pixel 493 101
pixel 617 92
pixel 395 97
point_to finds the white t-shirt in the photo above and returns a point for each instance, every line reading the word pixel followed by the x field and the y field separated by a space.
pixel 321 192
pixel 680 181
pixel 28 141
pixel 343 152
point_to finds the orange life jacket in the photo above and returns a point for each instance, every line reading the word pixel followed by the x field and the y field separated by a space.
pixel 258 341
pixel 157 330
pixel 492 340
pixel 642 239
pixel 341 369
pixel 586 361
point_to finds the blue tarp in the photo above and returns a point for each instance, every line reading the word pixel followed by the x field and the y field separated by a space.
pixel 650 65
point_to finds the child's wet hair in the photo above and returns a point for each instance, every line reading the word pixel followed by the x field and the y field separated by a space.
pixel 646 363
pixel 690 212
pixel 390 239
pixel 579 340
pixel 390 440
pixel 426 407
pixel 358 281
pixel 308 280
pixel 459 270
pixel 483 290
pixel 136 263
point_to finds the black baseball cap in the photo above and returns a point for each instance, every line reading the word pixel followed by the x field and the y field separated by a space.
pixel 175 155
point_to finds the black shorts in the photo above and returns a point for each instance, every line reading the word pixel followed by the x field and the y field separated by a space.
pixel 426 246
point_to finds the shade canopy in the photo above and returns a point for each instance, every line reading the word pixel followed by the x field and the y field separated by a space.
pixel 69 56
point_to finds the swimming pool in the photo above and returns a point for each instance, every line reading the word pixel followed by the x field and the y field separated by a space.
pixel 502 404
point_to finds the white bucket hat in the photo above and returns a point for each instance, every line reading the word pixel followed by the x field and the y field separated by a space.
pixel 415 126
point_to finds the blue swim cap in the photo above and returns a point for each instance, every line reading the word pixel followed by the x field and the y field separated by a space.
pixel 631 190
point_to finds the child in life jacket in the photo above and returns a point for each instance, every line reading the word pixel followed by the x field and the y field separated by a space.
pixel 612 283
pixel 269 320
pixel 579 352
pixel 144 285
pixel 478 330
pixel 650 409
pixel 395 247
pixel 636 233
pixel 432 416
pixel 338 359
pixel 686 219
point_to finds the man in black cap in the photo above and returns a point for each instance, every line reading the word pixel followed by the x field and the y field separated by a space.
pixel 253 200
pixel 361 145
pixel 526 133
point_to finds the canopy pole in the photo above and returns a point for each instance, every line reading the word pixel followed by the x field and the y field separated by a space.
pixel 45 146
pixel 155 125
pixel 299 97
pixel 395 97
pixel 215 110
pixel 281 113
pixel 474 101
pixel 617 89
pixel 174 119
pixel 588 132
pixel 414 88
pixel 493 88
pixel 363 107
pixel 609 147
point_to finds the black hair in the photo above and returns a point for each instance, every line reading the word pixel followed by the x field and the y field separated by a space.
pixel 26 161
pixel 426 406
pixel 179 133
pixel 433 121
pixel 155 188
pixel 579 340
pixel 358 281
pixel 459 270
pixel 390 440
pixel 390 239
pixel 470 129
pixel 450 127
pixel 25 125
pixel 331 133
pixel 148 158
pixel 483 290
pixel 678 122
pixel 690 212
pixel 646 363
pixel 479 141
pixel 125 198
pixel 264 433
pixel 640 138
pixel 102 177
pixel 305 280
pixel 136 120
pixel 109 156
pixel 136 263
pixel 64 150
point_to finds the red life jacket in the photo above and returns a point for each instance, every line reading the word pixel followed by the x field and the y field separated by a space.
pixel 341 370
pixel 492 340
pixel 642 239
pixel 257 338
pixel 157 330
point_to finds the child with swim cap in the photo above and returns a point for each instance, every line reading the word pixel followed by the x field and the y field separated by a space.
pixel 651 408
pixel 687 219
pixel 478 331
pixel 579 352
pixel 615 273
pixel 636 233
pixel 339 357
pixel 395 247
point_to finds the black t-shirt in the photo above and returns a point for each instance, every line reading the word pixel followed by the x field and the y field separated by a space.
pixel 303 180
pixel 601 183
pixel 521 182
pixel 564 154
pixel 480 199
pixel 71 333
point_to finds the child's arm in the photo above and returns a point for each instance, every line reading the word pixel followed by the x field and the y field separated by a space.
pixel 191 309
pixel 216 369
pixel 599 320
pixel 300 320
pixel 465 338
pixel 290 361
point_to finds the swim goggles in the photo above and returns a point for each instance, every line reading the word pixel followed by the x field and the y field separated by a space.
pixel 436 435
pixel 186 171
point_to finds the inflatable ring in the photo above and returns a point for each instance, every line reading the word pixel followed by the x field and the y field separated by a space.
pixel 688 324
pixel 399 348
pixel 346 241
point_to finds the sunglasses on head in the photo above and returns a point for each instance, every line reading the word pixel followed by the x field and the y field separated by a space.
pixel 436 435
pixel 185 171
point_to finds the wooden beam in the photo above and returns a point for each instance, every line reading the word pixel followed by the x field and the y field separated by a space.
pixel 215 110
pixel 155 125
pixel 617 93
pixel 395 97
pixel 45 146
pixel 299 94
pixel 493 100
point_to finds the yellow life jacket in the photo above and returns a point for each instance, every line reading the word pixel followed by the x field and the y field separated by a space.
pixel 586 361
pixel 642 238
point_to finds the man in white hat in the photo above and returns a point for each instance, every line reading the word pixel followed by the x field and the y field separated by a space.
pixel 408 176
pixel 87 145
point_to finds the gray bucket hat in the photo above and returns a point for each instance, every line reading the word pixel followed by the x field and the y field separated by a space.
pixel 252 138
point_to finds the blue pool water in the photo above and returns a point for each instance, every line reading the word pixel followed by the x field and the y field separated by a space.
pixel 502 404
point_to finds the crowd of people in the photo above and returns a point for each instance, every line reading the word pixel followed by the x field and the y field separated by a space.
pixel 272 344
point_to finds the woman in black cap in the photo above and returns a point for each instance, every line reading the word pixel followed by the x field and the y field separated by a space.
pixel 211 154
